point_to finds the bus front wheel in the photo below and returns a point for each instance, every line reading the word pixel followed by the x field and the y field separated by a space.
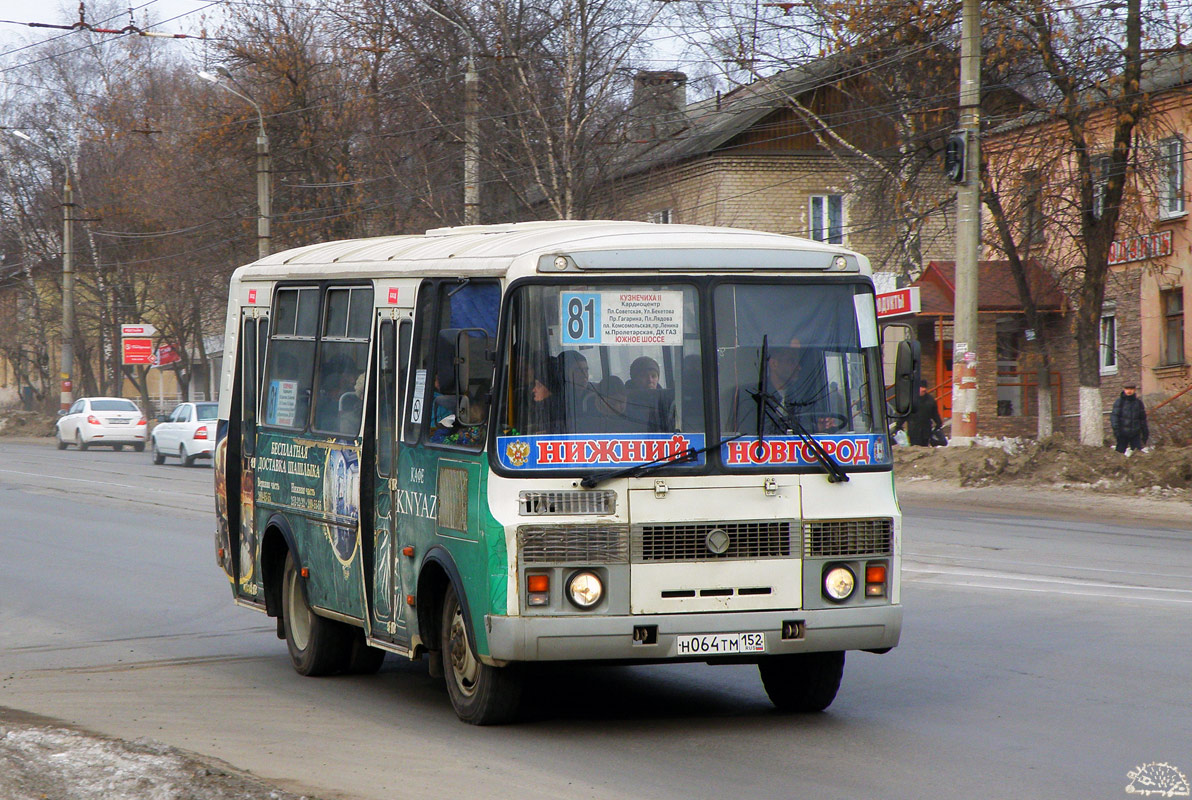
pixel 802 682
pixel 480 694
pixel 317 645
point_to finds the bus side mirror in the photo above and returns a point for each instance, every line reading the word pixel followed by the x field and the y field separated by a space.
pixel 906 377
pixel 906 367
pixel 474 359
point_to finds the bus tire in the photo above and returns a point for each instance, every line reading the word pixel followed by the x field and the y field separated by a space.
pixel 317 646
pixel 803 682
pixel 480 694
pixel 363 660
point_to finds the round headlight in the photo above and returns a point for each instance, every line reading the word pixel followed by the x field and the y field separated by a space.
pixel 585 589
pixel 839 583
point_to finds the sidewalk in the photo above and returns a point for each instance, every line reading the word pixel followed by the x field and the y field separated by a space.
pixel 1059 503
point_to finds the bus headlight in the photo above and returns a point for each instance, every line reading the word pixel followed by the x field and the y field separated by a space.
pixel 584 589
pixel 839 582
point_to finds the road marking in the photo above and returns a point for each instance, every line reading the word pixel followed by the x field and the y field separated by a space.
pixel 1004 581
pixel 76 480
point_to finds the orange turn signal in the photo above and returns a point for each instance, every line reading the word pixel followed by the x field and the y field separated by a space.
pixel 407 551
pixel 875 573
pixel 538 583
pixel 306 572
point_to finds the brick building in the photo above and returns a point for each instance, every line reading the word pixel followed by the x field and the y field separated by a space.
pixel 748 159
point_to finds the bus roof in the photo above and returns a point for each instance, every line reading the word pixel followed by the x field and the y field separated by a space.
pixel 526 248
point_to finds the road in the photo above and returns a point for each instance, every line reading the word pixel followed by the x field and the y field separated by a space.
pixel 1041 657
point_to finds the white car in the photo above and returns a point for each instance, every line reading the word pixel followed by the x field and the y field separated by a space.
pixel 188 433
pixel 113 421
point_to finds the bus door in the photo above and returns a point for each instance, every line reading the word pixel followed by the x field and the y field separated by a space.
pixel 389 612
pixel 254 335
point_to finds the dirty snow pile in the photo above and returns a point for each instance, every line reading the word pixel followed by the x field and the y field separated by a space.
pixel 1011 445
pixel 39 762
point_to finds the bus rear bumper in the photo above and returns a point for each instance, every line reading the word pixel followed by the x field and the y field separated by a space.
pixel 580 638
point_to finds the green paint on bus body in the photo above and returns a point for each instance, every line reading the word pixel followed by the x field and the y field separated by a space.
pixel 316 485
pixel 477 550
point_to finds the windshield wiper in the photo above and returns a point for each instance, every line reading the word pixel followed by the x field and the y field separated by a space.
pixel 777 414
pixel 638 470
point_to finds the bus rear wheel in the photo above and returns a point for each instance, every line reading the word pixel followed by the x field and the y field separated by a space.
pixel 317 646
pixel 480 694
pixel 802 682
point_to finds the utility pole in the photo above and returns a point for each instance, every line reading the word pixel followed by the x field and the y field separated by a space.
pixel 264 160
pixel 66 399
pixel 471 126
pixel 66 395
pixel 471 142
pixel 968 233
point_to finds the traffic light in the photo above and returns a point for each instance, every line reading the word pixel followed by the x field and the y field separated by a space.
pixel 954 154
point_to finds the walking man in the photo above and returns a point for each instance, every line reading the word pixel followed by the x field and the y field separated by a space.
pixel 924 419
pixel 1128 420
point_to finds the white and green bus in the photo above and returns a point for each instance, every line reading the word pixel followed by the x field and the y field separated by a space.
pixel 562 441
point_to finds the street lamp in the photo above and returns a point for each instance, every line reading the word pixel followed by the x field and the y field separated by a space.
pixel 471 127
pixel 66 397
pixel 264 167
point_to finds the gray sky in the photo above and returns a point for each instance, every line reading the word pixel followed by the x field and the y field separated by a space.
pixel 67 12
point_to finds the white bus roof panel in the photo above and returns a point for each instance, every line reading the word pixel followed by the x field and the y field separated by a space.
pixel 495 249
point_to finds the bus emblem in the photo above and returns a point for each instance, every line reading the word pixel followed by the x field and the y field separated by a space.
pixel 518 453
pixel 717 541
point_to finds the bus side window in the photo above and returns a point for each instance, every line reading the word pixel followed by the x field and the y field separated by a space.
pixel 422 377
pixel 248 385
pixel 343 360
pixel 386 369
pixel 467 335
pixel 289 372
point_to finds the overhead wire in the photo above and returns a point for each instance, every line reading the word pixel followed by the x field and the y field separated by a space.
pixel 390 134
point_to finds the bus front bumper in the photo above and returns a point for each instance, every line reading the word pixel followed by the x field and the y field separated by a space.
pixel 587 638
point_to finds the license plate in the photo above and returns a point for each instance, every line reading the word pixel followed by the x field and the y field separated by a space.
pixel 715 644
pixel 117 422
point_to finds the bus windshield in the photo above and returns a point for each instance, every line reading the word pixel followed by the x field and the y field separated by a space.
pixel 605 363
pixel 612 375
pixel 821 375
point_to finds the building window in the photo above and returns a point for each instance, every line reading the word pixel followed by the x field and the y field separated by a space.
pixel 827 218
pixel 1032 208
pixel 1171 302
pixel 663 217
pixel 1108 340
pixel 1101 179
pixel 1171 188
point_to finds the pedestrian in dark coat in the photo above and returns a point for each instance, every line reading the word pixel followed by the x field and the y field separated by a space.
pixel 924 418
pixel 1128 420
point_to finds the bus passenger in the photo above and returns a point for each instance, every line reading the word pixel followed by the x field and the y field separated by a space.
pixel 608 408
pixel 648 403
pixel 577 388
pixel 544 413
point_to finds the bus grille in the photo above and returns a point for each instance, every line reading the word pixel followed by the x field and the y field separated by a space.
pixel 573 544
pixel 690 542
pixel 559 503
pixel 847 537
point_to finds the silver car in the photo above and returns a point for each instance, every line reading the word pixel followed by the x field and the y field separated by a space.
pixel 108 421
pixel 188 432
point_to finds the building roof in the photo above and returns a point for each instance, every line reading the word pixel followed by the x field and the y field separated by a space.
pixel 996 289
pixel 713 122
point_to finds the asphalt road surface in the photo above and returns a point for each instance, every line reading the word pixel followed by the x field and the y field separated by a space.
pixel 1041 657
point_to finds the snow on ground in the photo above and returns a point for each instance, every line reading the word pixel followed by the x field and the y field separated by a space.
pixel 45 762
